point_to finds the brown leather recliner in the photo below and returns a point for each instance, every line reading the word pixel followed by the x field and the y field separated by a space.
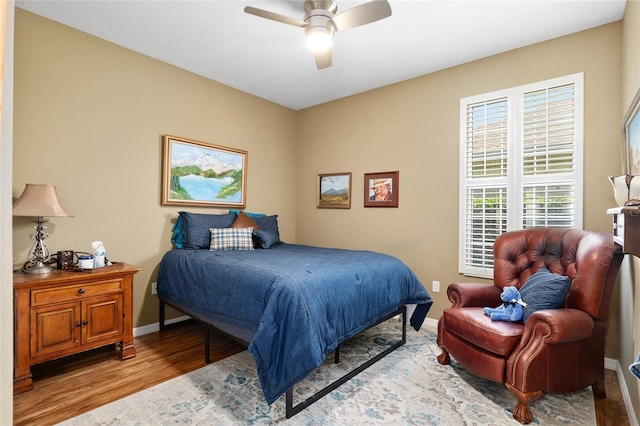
pixel 556 350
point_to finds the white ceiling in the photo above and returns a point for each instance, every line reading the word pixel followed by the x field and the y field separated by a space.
pixel 217 40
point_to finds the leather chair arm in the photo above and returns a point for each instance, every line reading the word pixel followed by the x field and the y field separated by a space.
pixel 534 364
pixel 474 295
pixel 561 325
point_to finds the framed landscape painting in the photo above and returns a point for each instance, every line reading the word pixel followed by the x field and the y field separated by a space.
pixel 334 191
pixel 197 173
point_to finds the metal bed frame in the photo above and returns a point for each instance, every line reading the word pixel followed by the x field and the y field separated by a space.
pixel 291 409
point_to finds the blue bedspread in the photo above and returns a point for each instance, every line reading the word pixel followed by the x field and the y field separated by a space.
pixel 300 301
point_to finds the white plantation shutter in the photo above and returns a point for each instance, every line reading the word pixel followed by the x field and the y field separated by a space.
pixel 521 165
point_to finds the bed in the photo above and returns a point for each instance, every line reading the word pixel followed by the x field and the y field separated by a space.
pixel 291 304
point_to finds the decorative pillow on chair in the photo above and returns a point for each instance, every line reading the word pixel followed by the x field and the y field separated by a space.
pixel 231 239
pixel 544 290
pixel 195 228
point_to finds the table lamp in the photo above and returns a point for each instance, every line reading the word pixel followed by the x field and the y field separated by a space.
pixel 40 201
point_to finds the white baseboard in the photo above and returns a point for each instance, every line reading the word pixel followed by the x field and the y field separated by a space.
pixel 614 364
pixel 431 324
pixel 150 328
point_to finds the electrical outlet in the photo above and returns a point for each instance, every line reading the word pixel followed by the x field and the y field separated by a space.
pixel 435 286
pixel 154 288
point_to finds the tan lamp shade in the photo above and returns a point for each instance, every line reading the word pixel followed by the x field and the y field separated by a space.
pixel 39 200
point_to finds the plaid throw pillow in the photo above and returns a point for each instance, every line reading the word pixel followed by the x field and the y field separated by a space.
pixel 231 239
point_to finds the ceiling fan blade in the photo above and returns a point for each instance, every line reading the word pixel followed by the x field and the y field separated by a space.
pixel 323 59
pixel 363 14
pixel 274 16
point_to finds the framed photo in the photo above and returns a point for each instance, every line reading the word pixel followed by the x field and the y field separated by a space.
pixel 334 191
pixel 632 137
pixel 201 174
pixel 381 189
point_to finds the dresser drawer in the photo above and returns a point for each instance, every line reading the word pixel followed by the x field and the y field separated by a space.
pixel 49 296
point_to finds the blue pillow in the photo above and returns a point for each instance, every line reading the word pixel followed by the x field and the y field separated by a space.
pixel 544 290
pixel 177 236
pixel 268 223
pixel 266 239
pixel 196 227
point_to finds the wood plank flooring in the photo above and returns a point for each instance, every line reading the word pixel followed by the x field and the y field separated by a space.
pixel 73 385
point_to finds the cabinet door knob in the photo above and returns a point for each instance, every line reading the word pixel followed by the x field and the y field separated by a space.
pixel 81 291
pixel 78 324
pixel 85 322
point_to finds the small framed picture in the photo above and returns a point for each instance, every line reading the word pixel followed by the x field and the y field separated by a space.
pixel 381 189
pixel 334 191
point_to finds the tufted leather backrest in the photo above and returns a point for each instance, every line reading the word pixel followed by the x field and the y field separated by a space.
pixel 590 259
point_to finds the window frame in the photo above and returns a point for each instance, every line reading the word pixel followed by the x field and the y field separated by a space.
pixel 515 178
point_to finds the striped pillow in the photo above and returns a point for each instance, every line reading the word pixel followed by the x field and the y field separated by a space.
pixel 231 239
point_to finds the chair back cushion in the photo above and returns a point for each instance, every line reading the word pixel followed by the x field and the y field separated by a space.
pixel 586 257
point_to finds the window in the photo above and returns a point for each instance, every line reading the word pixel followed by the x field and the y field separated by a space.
pixel 521 165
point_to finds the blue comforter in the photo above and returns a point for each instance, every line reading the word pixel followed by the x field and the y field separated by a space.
pixel 300 301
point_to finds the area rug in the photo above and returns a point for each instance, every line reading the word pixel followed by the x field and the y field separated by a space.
pixel 407 387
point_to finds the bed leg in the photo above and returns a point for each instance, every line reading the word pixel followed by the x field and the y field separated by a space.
pixel 337 354
pixel 161 315
pixel 289 404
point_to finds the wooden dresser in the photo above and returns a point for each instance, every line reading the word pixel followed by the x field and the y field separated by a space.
pixel 65 312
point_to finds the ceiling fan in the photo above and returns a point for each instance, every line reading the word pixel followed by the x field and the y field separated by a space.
pixel 320 22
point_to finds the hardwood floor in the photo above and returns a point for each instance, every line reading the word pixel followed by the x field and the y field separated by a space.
pixel 70 386
pixel 73 385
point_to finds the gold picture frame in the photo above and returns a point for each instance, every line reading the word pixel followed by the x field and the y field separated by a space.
pixel 334 191
pixel 196 173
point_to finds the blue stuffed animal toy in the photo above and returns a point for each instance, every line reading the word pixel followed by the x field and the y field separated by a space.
pixel 511 308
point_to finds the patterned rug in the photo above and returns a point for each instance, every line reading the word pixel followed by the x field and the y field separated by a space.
pixel 407 387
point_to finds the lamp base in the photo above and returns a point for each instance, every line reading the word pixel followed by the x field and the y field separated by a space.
pixel 36 268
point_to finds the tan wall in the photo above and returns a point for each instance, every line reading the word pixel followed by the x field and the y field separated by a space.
pixel 629 294
pixel 89 118
pixel 413 127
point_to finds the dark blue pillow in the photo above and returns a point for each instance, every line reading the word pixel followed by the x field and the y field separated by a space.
pixel 268 223
pixel 266 239
pixel 544 290
pixel 195 228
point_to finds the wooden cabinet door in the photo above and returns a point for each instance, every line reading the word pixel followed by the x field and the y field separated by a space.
pixel 102 319
pixel 55 328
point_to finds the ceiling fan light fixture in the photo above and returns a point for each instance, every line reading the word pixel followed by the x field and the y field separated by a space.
pixel 321 20
pixel 319 39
